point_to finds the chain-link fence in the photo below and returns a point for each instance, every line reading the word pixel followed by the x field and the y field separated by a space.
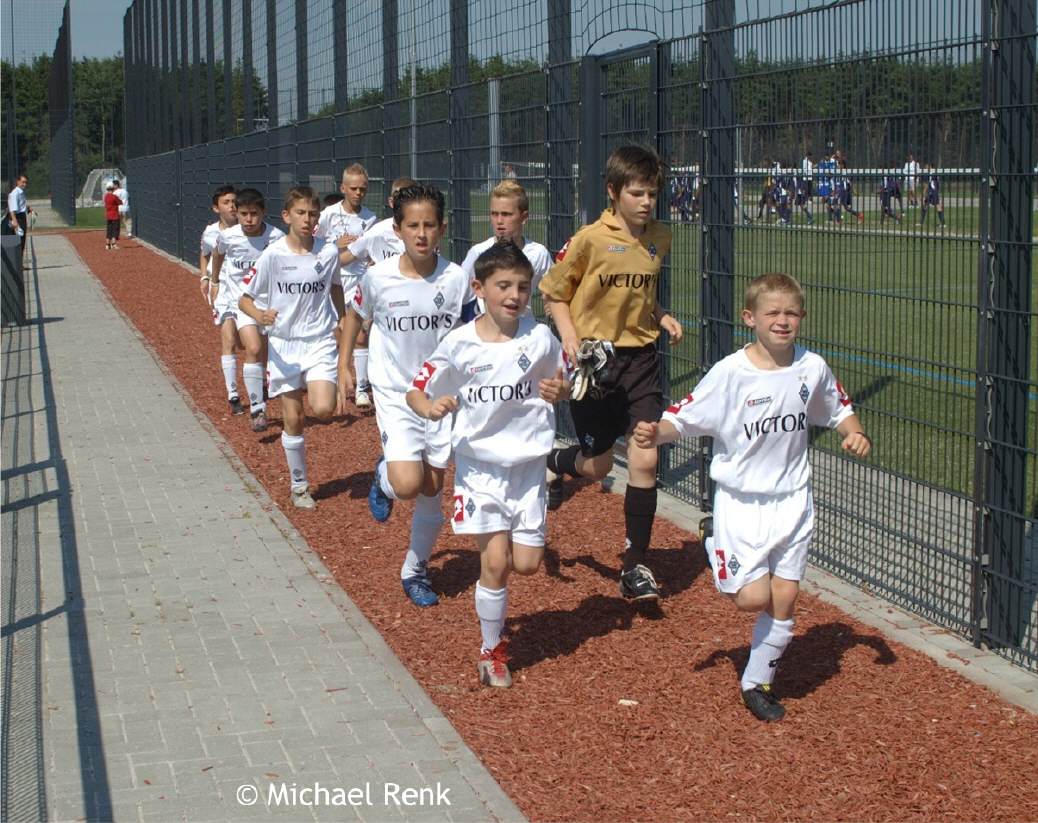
pixel 62 132
pixel 884 152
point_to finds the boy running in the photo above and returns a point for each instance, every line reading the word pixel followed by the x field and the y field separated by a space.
pixel 378 243
pixel 241 246
pixel 604 289
pixel 297 278
pixel 509 211
pixel 932 196
pixel 411 300
pixel 222 307
pixel 499 375
pixel 758 404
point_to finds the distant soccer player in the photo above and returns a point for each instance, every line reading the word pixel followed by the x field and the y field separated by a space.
pixel 889 190
pixel 237 250
pixel 933 195
pixel 759 405
pixel 297 279
pixel 509 211
pixel 499 376
pixel 911 171
pixel 379 242
pixel 222 306
pixel 412 300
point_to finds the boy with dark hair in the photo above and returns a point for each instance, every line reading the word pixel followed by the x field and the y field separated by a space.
pixel 499 376
pixel 241 245
pixel 759 404
pixel 604 289
pixel 221 306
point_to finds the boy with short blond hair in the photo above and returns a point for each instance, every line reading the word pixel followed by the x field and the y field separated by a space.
pixel 759 404
pixel 603 288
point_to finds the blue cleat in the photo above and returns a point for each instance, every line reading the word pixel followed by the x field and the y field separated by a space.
pixel 380 505
pixel 419 589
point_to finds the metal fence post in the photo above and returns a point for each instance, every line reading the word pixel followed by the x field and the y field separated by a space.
pixel 590 152
pixel 302 66
pixel 390 91
pixel 211 132
pixel 196 75
pixel 560 149
pixel 248 110
pixel 717 167
pixel 1004 333
pixel 459 127
pixel 228 72
pixel 272 65
pixel 340 27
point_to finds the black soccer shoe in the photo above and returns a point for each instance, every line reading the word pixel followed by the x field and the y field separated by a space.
pixel 236 405
pixel 763 704
pixel 639 584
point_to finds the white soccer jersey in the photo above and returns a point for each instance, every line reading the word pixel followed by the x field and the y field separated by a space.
pixel 377 243
pixel 298 287
pixel 335 221
pixel 240 254
pixel 759 419
pixel 210 235
pixel 409 317
pixel 539 257
pixel 501 417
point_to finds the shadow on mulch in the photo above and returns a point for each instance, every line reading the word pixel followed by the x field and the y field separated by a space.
pixel 812 659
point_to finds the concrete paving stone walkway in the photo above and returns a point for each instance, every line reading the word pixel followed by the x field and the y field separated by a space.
pixel 172 648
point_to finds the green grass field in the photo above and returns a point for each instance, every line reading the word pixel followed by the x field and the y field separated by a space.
pixel 91 218
pixel 892 309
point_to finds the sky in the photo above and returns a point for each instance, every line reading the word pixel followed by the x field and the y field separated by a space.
pixel 30 27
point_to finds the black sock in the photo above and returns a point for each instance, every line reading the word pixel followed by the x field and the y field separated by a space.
pixel 639 512
pixel 564 461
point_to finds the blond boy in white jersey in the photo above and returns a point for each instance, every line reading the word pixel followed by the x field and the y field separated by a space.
pixel 297 279
pixel 499 375
pixel 412 301
pixel 222 307
pixel 758 404
pixel 237 249
pixel 379 242
pixel 509 211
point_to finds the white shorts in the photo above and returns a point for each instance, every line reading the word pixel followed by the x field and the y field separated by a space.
pixel 223 307
pixel 292 363
pixel 490 498
pixel 408 437
pixel 758 534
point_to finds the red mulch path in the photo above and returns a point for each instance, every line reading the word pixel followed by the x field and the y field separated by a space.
pixel 874 731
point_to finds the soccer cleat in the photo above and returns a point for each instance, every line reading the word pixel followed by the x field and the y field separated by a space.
pixel 419 589
pixel 236 405
pixel 301 499
pixel 555 491
pixel 493 667
pixel 259 421
pixel 362 399
pixel 639 584
pixel 763 704
pixel 379 503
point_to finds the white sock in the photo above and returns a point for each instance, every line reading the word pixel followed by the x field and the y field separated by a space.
pixel 360 366
pixel 491 606
pixel 770 639
pixel 253 374
pixel 425 528
pixel 229 365
pixel 295 453
pixel 383 480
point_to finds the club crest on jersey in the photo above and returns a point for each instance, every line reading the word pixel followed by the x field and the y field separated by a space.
pixel 652 251
pixel 439 300
pixel 804 393
pixel 385 437
pixel 733 565
pixel 524 361
pixel 318 267
pixel 674 409
pixel 470 507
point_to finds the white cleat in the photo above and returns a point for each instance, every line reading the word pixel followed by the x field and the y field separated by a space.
pixel 362 400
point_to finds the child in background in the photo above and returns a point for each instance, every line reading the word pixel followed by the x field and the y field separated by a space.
pixel 112 204
pixel 224 206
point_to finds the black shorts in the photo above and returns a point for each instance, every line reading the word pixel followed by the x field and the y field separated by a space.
pixel 113 229
pixel 637 397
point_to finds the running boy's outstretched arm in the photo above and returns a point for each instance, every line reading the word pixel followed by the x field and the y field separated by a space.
pixel 265 317
pixel 436 409
pixel 855 440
